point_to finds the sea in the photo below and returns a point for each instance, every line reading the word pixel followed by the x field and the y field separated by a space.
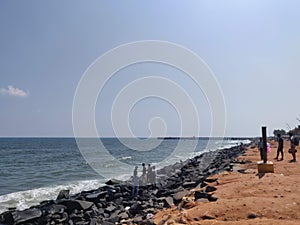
pixel 36 169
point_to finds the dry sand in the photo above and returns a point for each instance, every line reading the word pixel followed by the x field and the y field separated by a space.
pixel 270 198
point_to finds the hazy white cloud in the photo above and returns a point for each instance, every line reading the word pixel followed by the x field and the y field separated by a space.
pixel 13 91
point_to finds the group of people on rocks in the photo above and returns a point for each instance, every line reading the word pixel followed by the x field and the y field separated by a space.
pixel 148 177
pixel 294 141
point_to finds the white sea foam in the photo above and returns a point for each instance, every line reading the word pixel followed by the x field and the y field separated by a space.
pixel 125 158
pixel 24 199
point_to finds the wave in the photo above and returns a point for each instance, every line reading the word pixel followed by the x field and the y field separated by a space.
pixel 25 199
pixel 125 158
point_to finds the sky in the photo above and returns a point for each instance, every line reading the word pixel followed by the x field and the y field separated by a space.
pixel 252 48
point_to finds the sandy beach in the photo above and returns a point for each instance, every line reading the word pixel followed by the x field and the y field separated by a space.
pixel 246 197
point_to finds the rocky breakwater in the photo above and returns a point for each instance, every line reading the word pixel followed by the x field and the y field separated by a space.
pixel 114 204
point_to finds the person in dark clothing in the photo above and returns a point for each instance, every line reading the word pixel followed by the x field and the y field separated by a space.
pixel 280 147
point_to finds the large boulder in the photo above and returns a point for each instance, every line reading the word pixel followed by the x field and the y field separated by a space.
pixel 76 204
pixel 21 217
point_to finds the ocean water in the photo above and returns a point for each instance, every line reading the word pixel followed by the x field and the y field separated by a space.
pixel 36 169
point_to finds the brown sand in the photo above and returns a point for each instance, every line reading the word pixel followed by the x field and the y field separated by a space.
pixel 272 198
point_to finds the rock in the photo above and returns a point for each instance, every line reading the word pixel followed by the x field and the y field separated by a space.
pixel 179 195
pixel 26 215
pixel 7 218
pixel 107 223
pixel 93 221
pixel 138 219
pixel 88 215
pixel 63 194
pixel 96 197
pixel 199 194
pixel 119 201
pixel 110 209
pixel 202 200
pixel 211 180
pixel 191 184
pixel 76 217
pixel 169 201
pixel 114 219
pixel 123 215
pixel 55 217
pixel 113 182
pixel 251 216
pixel 210 189
pixel 212 198
pixel 208 217
pixel 135 208
pixel 56 209
pixel 202 185
pixel 73 205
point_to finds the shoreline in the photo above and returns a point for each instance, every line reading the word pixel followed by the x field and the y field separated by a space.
pixel 112 204
pixel 244 195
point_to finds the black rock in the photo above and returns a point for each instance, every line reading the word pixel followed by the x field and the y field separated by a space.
pixel 93 221
pixel 212 198
pixel 73 205
pixel 7 218
pixel 63 194
pixel 110 209
pixel 199 194
pixel 191 184
pixel 138 219
pixel 210 189
pixel 114 219
pixel 113 182
pixel 169 202
pixel 211 180
pixel 208 217
pixel 251 216
pixel 26 215
pixel 135 208
pixel 55 209
pixel 107 223
pixel 96 197
pixel 123 215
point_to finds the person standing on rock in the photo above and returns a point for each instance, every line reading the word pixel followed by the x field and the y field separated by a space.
pixel 280 147
pixel 149 172
pixel 153 177
pixel 144 175
pixel 135 183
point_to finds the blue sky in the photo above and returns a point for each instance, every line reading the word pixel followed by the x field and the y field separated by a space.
pixel 253 48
